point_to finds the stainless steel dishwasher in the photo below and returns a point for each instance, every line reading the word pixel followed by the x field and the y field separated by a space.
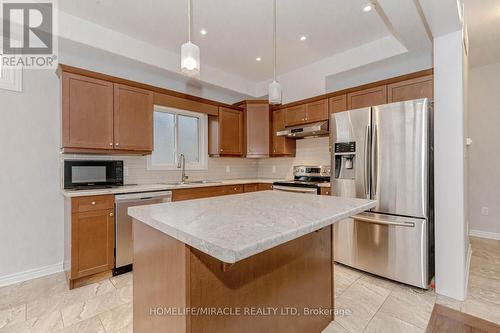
pixel 124 244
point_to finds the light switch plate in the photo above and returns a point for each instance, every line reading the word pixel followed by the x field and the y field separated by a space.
pixel 228 169
pixel 485 211
pixel 274 169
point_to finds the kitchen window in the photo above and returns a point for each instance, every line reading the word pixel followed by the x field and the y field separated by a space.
pixel 10 78
pixel 179 132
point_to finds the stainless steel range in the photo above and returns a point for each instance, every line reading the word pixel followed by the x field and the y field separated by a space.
pixel 307 179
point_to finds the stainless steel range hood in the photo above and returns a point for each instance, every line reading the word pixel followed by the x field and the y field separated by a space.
pixel 302 131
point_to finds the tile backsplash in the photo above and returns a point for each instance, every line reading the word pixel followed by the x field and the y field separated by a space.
pixel 136 170
pixel 309 151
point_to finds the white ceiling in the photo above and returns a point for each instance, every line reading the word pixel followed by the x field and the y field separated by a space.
pixel 241 30
pixel 483 24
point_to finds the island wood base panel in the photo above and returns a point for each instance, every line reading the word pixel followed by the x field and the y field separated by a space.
pixel 170 275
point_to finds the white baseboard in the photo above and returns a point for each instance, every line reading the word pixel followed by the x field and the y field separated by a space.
pixel 467 268
pixel 30 274
pixel 484 234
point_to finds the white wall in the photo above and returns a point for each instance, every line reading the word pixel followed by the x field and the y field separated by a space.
pixel 449 130
pixel 405 63
pixel 31 229
pixel 484 161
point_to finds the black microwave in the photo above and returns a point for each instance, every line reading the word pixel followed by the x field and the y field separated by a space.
pixel 83 174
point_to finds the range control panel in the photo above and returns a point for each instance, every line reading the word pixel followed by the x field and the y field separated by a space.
pixel 311 171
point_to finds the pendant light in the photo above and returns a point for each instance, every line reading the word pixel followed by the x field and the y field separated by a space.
pixel 190 53
pixel 275 93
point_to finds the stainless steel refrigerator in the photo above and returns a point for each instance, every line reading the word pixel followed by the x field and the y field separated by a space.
pixel 385 153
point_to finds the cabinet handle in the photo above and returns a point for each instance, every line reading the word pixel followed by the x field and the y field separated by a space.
pixel 117 144
pixel 111 214
pixel 111 144
pixel 306 118
pixel 93 203
pixel 221 149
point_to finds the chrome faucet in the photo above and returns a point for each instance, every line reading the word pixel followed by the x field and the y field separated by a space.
pixel 182 165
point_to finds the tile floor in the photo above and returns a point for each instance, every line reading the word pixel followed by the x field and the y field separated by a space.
pixel 375 304
pixel 379 305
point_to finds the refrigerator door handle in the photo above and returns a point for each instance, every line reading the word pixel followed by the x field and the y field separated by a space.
pixel 374 159
pixel 367 160
pixel 376 220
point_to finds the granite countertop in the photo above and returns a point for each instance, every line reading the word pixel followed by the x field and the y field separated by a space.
pixel 235 227
pixel 160 187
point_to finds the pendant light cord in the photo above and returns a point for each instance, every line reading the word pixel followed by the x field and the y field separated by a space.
pixel 189 20
pixel 274 40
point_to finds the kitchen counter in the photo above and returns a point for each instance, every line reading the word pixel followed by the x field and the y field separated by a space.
pixel 160 187
pixel 261 260
pixel 235 227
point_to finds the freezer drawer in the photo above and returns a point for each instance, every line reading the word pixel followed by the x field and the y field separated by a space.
pixel 390 246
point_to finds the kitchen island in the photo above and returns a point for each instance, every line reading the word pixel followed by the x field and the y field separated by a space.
pixel 253 262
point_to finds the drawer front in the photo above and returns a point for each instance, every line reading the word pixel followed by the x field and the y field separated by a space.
pixel 251 187
pixel 265 187
pixel 392 247
pixel 91 203
pixel 197 193
pixel 325 191
pixel 234 189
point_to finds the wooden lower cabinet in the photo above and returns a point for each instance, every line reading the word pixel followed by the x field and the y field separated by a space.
pixel 198 193
pixel 170 275
pixel 215 191
pixel 89 237
pixel 324 191
pixel 251 188
pixel 265 186
pixel 234 189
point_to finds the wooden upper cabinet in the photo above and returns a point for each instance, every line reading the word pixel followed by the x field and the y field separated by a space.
pixel 421 87
pixel 133 118
pixel 230 132
pixel 295 115
pixel 257 121
pixel 87 112
pixel 367 97
pixel 281 145
pixel 338 104
pixel 316 111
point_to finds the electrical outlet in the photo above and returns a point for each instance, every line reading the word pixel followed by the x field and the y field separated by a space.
pixel 485 211
pixel 228 169
pixel 125 171
pixel 274 168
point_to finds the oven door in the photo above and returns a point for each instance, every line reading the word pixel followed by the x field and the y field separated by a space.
pixel 296 189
